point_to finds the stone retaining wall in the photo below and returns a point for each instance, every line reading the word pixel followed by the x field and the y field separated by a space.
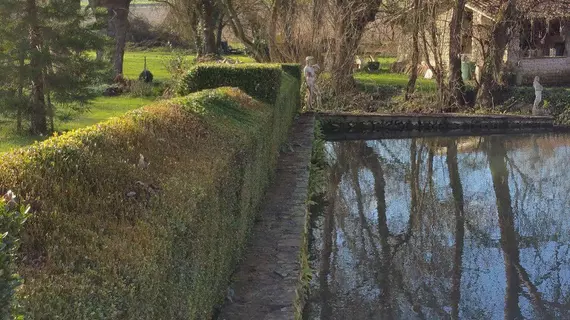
pixel 351 123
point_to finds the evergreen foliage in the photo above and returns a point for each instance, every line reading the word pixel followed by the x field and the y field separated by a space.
pixel 44 59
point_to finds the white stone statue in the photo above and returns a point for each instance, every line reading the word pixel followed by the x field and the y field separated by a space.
pixel 538 93
pixel 310 72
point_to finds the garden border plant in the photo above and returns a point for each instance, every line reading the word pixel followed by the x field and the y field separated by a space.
pixel 145 216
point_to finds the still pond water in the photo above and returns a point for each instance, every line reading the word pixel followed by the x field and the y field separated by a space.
pixel 444 228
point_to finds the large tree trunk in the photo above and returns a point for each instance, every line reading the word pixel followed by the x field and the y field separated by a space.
pixel 219 31
pixel 38 106
pixel 118 28
pixel 415 51
pixel 21 104
pixel 493 64
pixel 456 85
pixel 354 16
pixel 273 50
pixel 209 26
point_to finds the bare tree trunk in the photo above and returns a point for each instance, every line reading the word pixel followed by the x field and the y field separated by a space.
pixel 220 31
pixel 490 75
pixel 38 106
pixel 277 4
pixel 208 11
pixel 415 51
pixel 118 27
pixel 431 44
pixel 21 105
pixel 259 54
pixel 354 16
pixel 456 85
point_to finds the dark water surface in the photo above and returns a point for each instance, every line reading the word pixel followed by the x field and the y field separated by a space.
pixel 444 228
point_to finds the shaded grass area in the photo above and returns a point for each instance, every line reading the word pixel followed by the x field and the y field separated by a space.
pixel 114 240
pixel 101 109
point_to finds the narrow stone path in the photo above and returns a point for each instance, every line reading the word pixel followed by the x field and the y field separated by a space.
pixel 264 284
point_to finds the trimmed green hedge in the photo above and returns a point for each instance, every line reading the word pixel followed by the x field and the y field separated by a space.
pixel 261 81
pixel 293 69
pixel 116 238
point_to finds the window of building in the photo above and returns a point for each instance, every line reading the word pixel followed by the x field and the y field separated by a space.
pixel 543 38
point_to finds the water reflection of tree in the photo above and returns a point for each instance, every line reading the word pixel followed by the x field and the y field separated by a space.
pixel 418 268
pixel 515 273
pixel 458 203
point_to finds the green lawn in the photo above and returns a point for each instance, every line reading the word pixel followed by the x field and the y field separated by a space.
pixel 101 109
pixel 157 63
pixel 393 79
pixel 104 108
pixel 385 78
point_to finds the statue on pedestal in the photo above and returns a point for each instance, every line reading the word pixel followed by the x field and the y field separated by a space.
pixel 538 97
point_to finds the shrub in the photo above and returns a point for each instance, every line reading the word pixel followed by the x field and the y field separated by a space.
pixel 260 81
pixel 12 218
pixel 556 99
pixel 294 69
pixel 117 235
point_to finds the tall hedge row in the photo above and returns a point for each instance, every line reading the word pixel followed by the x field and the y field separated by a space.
pixel 120 236
pixel 261 81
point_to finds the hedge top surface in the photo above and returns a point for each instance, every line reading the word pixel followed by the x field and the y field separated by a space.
pixel 261 81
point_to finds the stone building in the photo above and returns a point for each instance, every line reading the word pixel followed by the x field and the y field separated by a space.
pixel 540 45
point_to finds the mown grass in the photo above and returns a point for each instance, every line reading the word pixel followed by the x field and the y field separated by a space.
pixel 385 78
pixel 157 63
pixel 101 109
pixel 104 108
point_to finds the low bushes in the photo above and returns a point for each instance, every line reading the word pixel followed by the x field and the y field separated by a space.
pixel 556 100
pixel 260 81
pixel 145 216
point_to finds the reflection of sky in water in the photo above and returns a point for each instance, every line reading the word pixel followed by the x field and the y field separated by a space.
pixel 539 183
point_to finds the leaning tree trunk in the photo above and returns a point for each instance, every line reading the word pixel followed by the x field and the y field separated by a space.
pixel 259 53
pixel 490 75
pixel 415 51
pixel 118 28
pixel 354 17
pixel 456 85
pixel 38 105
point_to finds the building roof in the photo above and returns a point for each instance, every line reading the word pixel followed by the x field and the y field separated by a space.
pixel 530 8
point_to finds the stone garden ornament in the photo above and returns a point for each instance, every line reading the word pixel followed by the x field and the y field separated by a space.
pixel 538 96
pixel 310 72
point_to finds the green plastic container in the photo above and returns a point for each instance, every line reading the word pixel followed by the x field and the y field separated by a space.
pixel 467 70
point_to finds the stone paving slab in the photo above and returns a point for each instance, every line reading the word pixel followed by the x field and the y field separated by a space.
pixel 264 284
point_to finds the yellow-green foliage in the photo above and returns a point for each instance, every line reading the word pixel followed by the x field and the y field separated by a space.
pixel 92 252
